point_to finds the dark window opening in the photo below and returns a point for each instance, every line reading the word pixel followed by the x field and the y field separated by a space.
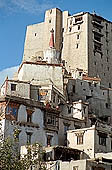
pixel 50 21
pixel 94 84
pixel 102 140
pixel 70 29
pixel 97 37
pixel 77 45
pixel 13 87
pixel 106 26
pixel 109 85
pixel 51 120
pixel 35 34
pixel 78 19
pixel 78 36
pixel 73 88
pixel 29 118
pixel 97 20
pixel 49 140
pixel 89 83
pixel 107 105
pixel 97 47
pixel 80 73
pixel 78 27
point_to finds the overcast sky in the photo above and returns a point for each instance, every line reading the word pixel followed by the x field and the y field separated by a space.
pixel 15 15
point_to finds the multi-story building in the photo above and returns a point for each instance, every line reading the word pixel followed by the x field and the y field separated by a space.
pixel 62 86
pixel 83 41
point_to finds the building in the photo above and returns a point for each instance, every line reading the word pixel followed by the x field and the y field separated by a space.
pixel 83 41
pixel 61 94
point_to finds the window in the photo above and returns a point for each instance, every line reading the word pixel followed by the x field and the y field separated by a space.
pixel 13 87
pixel 73 88
pixel 35 34
pixel 78 27
pixel 89 83
pixel 106 26
pixel 94 84
pixel 97 46
pixel 75 167
pixel 80 139
pixel 49 140
pixel 95 63
pixel 78 19
pixel 109 85
pixel 11 110
pixel 102 139
pixel 50 21
pixel 66 127
pixel 77 45
pixel 78 36
pixel 108 68
pixel 70 29
pixel 29 137
pixel 29 118
pixel 80 73
pixel 97 37
pixel 51 120
pixel 106 105
pixel 107 59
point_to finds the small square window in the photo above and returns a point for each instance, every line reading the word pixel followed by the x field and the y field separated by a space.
pixel 50 21
pixel 13 87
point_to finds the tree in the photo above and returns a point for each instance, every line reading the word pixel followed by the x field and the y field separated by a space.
pixel 10 158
